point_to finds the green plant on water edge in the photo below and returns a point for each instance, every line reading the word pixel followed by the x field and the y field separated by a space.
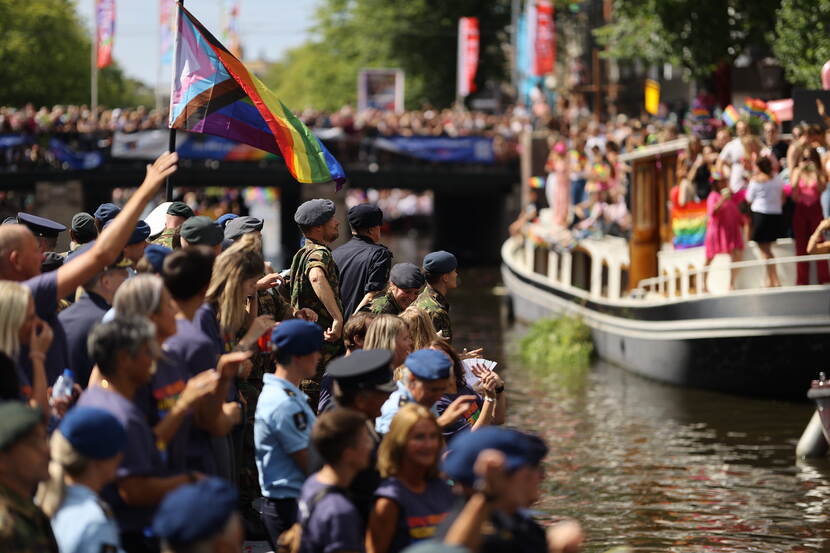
pixel 560 347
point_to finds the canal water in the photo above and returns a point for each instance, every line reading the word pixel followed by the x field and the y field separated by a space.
pixel 652 466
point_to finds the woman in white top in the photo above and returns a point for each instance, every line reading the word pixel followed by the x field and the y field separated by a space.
pixel 766 197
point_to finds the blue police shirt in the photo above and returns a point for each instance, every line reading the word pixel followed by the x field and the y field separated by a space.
pixel 83 524
pixel 282 426
pixel 397 399
pixel 78 320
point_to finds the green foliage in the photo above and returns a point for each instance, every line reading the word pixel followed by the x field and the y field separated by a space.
pixel 560 346
pixel 803 40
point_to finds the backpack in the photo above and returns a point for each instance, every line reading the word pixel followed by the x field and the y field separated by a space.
pixel 291 540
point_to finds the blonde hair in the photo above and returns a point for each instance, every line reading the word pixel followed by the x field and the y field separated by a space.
pixel 390 453
pixel 383 332
pixel 242 261
pixel 140 295
pixel 14 302
pixel 64 459
pixel 420 327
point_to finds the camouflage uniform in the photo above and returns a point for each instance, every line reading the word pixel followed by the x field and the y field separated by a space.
pixel 438 308
pixel 303 295
pixel 169 238
pixel 384 304
pixel 23 527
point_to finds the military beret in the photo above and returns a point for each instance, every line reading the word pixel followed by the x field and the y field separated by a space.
pixel 93 432
pixel 238 226
pixel 155 254
pixel 180 209
pixel 83 225
pixel 297 337
pixel 40 226
pixel 406 275
pixel 140 233
pixel 440 262
pixel 459 462
pixel 314 213
pixel 363 370
pixel 16 421
pixel 201 231
pixel 365 216
pixel 107 212
pixel 195 512
pixel 428 364
pixel 223 219
pixel 52 261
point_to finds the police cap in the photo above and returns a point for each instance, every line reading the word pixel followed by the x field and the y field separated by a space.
pixel 314 213
pixel 52 261
pixel 180 209
pixel 140 233
pixel 155 254
pixel 195 512
pixel 365 369
pixel 428 364
pixel 83 226
pixel 201 231
pixel 93 432
pixel 238 226
pixel 16 421
pixel 40 226
pixel 223 219
pixel 297 337
pixel 365 216
pixel 406 275
pixel 440 262
pixel 515 446
pixel 107 212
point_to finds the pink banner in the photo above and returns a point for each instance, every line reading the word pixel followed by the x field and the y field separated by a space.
pixel 544 44
pixel 468 46
pixel 105 35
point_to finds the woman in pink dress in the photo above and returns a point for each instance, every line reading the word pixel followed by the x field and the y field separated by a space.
pixel 723 228
pixel 807 183
pixel 559 197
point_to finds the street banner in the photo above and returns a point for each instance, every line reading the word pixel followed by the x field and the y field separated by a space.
pixel 652 96
pixel 468 50
pixel 105 31
pixel 440 149
pixel 167 26
pixel 380 89
pixel 544 39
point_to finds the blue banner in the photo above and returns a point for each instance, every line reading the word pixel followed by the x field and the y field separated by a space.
pixel 430 148
pixel 12 140
pixel 73 159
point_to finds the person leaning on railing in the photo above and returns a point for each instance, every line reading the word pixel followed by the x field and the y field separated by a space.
pixel 819 242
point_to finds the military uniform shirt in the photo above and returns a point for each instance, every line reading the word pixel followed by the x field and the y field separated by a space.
pixel 84 523
pixel 23 527
pixel 282 426
pixel 389 409
pixel 167 238
pixel 383 305
pixel 78 321
pixel 364 267
pixel 302 294
pixel 438 309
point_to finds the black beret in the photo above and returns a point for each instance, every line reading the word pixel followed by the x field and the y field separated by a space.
pixel 51 262
pixel 440 262
pixel 406 275
pixel 16 421
pixel 40 226
pixel 180 209
pixel 364 369
pixel 242 225
pixel 365 216
pixel 314 213
pixel 83 225
pixel 195 512
pixel 202 231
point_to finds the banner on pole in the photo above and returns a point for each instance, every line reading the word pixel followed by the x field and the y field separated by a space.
pixel 652 96
pixel 167 24
pixel 544 39
pixel 468 49
pixel 105 35
pixel 380 89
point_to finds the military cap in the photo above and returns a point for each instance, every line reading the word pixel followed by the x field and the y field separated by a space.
pixel 242 225
pixel 314 213
pixel 83 225
pixel 40 226
pixel 51 262
pixel 195 512
pixel 222 220
pixel 120 263
pixel 297 337
pixel 16 421
pixel 428 364
pixel 107 212
pixel 406 275
pixel 440 262
pixel 364 369
pixel 93 432
pixel 365 216
pixel 155 254
pixel 462 456
pixel 157 218
pixel 180 209
pixel 140 233
pixel 201 231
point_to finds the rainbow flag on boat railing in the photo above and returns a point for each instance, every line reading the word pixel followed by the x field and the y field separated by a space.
pixel 688 224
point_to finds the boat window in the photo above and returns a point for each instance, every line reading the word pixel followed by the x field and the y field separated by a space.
pixel 623 280
pixel 580 269
pixel 540 261
pixel 603 287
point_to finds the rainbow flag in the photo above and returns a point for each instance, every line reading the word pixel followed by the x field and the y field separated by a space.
pixel 730 115
pixel 758 108
pixel 688 224
pixel 213 93
pixel 536 182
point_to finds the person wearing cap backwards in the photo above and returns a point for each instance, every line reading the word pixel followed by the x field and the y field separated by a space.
pixel 315 280
pixel 45 230
pixel 177 214
pixel 405 283
pixel 283 422
pixel 202 231
pixel 24 462
pixel 441 274
pixel 20 259
pixel 86 451
pixel 201 518
pixel 363 262
pixel 426 377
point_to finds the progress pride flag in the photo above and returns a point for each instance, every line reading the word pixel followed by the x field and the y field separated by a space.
pixel 468 44
pixel 105 31
pixel 544 44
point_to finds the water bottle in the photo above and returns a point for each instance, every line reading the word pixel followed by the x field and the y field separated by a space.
pixel 63 385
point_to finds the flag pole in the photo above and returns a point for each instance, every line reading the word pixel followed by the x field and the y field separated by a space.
pixel 93 61
pixel 171 146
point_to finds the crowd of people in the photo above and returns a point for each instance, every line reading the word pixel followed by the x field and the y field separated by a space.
pixel 166 389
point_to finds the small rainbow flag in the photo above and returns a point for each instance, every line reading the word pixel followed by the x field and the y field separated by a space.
pixel 730 115
pixel 758 108
pixel 213 93
pixel 688 224
pixel 536 182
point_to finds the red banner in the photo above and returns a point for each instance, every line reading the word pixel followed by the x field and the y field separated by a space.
pixel 468 45
pixel 544 44
pixel 105 31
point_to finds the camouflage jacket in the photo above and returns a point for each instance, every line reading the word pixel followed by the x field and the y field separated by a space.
pixel 302 293
pixel 438 309
pixel 169 238
pixel 23 527
pixel 383 304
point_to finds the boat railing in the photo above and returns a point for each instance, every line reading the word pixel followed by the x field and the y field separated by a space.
pixel 667 284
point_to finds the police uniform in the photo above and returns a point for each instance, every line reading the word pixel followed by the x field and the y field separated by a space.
pixel 364 266
pixel 41 227
pixel 195 513
pixel 433 302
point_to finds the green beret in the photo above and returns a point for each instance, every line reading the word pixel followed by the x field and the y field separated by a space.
pixel 180 209
pixel 16 421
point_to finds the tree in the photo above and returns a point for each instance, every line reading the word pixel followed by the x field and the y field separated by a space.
pixel 803 40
